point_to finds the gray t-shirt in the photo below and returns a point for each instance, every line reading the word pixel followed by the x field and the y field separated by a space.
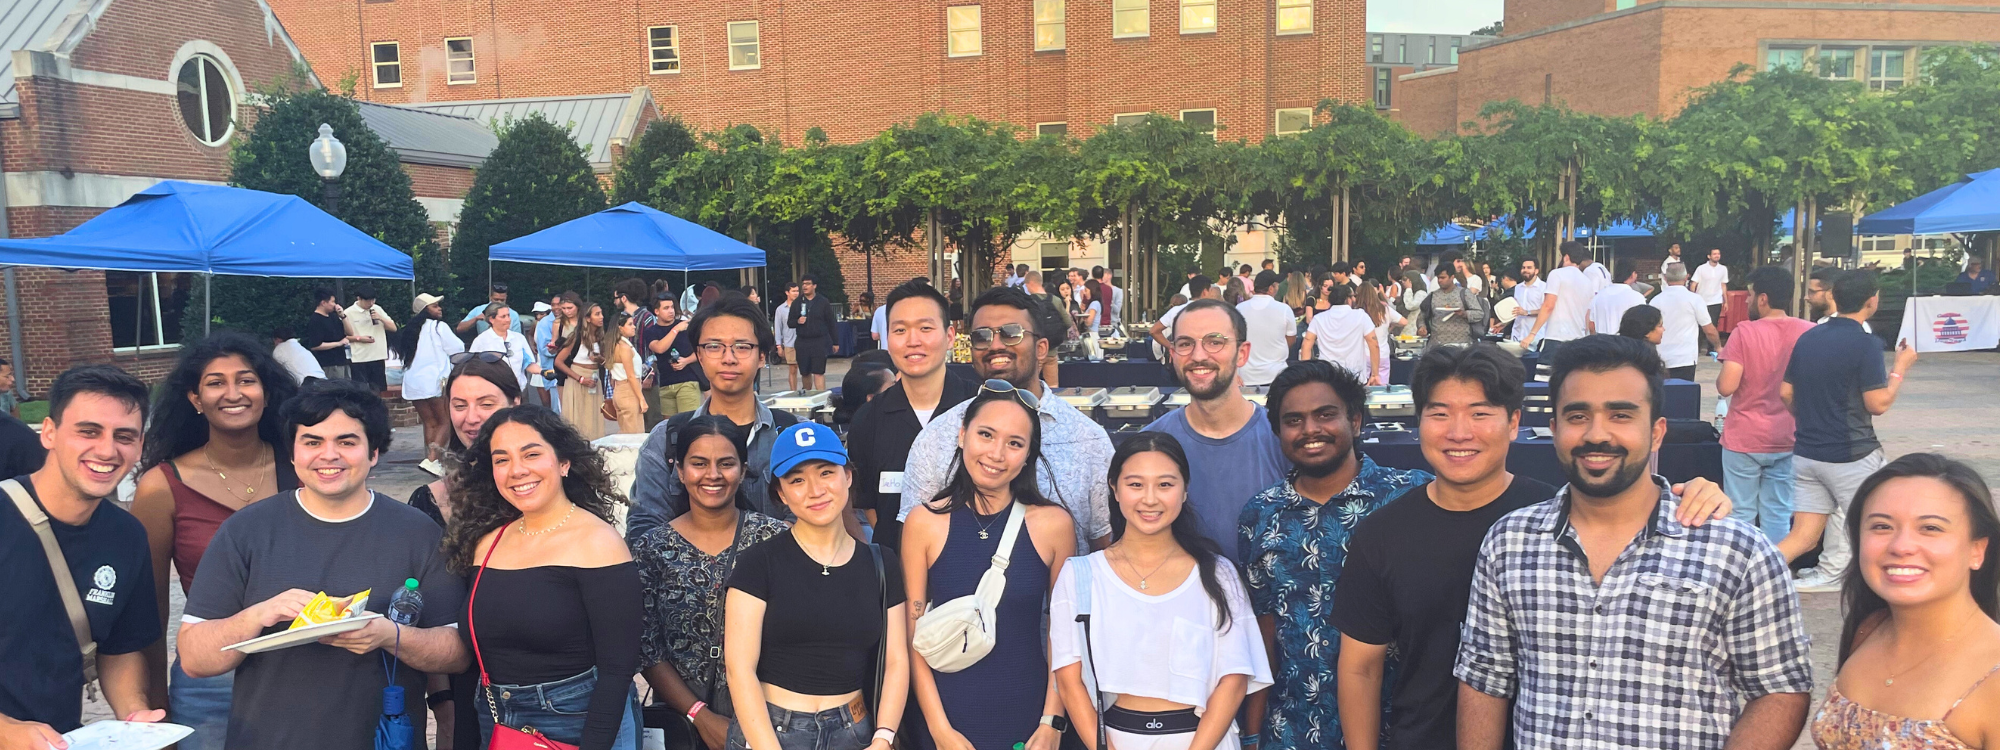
pixel 316 696
pixel 1227 472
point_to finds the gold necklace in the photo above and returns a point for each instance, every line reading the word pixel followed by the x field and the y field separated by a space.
pixel 249 490
pixel 559 524
pixel 1126 555
pixel 1927 657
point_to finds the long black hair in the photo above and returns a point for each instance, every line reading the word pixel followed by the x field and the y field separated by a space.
pixel 722 427
pixel 1860 601
pixel 962 492
pixel 178 428
pixel 481 509
pixel 1186 528
pixel 412 333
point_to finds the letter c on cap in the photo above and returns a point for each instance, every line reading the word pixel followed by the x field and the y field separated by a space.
pixel 805 438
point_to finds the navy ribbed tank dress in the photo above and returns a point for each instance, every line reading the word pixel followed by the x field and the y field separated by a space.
pixel 997 702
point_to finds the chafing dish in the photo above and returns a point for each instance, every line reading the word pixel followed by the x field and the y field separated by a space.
pixel 1083 399
pixel 1391 401
pixel 799 404
pixel 1131 402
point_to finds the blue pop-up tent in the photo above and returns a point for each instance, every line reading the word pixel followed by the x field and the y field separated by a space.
pixel 1620 229
pixel 183 227
pixel 1969 205
pixel 1449 234
pixel 631 236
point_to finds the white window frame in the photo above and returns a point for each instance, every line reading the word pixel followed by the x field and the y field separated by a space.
pixel 1214 120
pixel 1040 125
pixel 1880 83
pixel 1453 59
pixel 375 67
pixel 471 59
pixel 1278 118
pixel 1122 115
pixel 653 49
pixel 952 32
pixel 1856 68
pixel 1806 54
pixel 150 287
pixel 1277 18
pixel 1142 7
pixel 1214 13
pixel 1060 24
pixel 756 44
pixel 200 61
pixel 1382 88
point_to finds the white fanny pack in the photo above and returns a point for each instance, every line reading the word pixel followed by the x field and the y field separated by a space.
pixel 958 633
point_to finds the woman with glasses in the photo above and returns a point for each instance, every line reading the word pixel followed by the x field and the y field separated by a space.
pixel 501 338
pixel 625 374
pixel 684 566
pixel 426 347
pixel 811 614
pixel 1002 699
pixel 582 390
pixel 1162 582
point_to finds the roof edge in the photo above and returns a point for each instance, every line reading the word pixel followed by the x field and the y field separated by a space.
pixel 513 100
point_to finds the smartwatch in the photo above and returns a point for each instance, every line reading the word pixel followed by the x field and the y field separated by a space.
pixel 1058 723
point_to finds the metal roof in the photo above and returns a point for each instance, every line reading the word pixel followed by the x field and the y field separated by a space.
pixel 27 24
pixel 595 121
pixel 426 137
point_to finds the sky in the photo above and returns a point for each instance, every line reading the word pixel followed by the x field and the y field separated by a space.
pixel 1431 16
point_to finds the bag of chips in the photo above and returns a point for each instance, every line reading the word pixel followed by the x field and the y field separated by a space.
pixel 324 609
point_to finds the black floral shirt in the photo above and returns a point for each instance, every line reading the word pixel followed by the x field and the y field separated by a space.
pixel 684 596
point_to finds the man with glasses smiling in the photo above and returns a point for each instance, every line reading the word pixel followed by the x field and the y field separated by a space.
pixel 731 340
pixel 1076 454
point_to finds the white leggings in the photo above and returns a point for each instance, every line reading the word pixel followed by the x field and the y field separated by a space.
pixel 1128 741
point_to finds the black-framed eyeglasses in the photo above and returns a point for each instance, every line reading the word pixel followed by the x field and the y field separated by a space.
pixel 1011 334
pixel 996 385
pixel 461 357
pixel 742 349
pixel 1214 343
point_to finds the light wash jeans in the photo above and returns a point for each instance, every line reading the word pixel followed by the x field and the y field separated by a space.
pixel 201 703
pixel 1761 486
pixel 557 709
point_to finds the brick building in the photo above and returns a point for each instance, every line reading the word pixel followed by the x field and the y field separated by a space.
pixel 1621 57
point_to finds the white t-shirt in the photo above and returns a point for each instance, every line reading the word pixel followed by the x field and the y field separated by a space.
pixel 1164 644
pixel 514 349
pixel 1390 318
pixel 376 351
pixel 1711 281
pixel 1528 294
pixel 1573 290
pixel 1340 335
pixel 1610 304
pixel 879 327
pixel 1683 314
pixel 1600 273
pixel 298 361
pixel 1268 321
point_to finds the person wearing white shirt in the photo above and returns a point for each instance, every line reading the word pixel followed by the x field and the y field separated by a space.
pixel 1165 324
pixel 1270 324
pixel 878 327
pixel 1188 291
pixel 500 337
pixel 1345 336
pixel 1019 275
pixel 297 359
pixel 1565 306
pixel 1472 281
pixel 368 356
pixel 1528 294
pixel 1682 315
pixel 1611 302
pixel 1117 304
pixel 781 326
pixel 1673 257
pixel 1711 281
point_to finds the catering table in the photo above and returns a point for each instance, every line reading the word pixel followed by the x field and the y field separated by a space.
pixel 1400 370
pixel 843 337
pixel 1115 374
pixel 1536 457
pixel 1951 324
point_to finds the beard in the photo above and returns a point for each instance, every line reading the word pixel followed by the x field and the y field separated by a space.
pixel 1332 463
pixel 1627 472
pixel 1224 380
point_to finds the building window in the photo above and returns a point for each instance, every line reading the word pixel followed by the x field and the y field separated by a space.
pixel 1624 4
pixel 1382 80
pixel 388 61
pixel 1402 49
pixel 458 61
pixel 744 53
pixel 1197 16
pixel 1051 27
pixel 1052 128
pixel 1130 118
pixel 1203 118
pixel 146 308
pixel 1375 48
pixel 1887 68
pixel 664 45
pixel 207 105
pixel 1836 63
pixel 1454 51
pixel 1432 55
pixel 1130 18
pixel 1785 57
pixel 961 30
pixel 1295 120
pixel 1296 17
pixel 1055 256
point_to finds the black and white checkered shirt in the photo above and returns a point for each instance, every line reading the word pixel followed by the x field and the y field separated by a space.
pixel 1687 625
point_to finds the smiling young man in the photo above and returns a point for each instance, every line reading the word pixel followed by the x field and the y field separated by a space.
pixel 94 432
pixel 1598 620
pixel 332 535
pixel 880 435
pixel 1232 454
pixel 731 340
pixel 1076 454
pixel 1292 538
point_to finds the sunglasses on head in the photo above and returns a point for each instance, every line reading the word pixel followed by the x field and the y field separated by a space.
pixel 462 357
pixel 1011 334
pixel 996 385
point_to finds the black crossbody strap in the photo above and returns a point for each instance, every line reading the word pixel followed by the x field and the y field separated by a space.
pixel 882 646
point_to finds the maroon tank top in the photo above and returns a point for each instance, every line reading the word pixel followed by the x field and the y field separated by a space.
pixel 197 516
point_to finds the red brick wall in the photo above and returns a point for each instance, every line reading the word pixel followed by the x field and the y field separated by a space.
pixel 1427 105
pixel 1523 16
pixel 434 181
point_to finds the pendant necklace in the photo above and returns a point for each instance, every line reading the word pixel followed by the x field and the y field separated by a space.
pixel 1920 662
pixel 825 569
pixel 989 524
pixel 1135 568
pixel 249 490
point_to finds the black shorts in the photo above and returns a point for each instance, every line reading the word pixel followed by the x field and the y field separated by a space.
pixel 375 374
pixel 812 356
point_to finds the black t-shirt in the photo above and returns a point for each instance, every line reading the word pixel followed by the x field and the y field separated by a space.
pixel 322 328
pixel 21 450
pixel 663 362
pixel 39 656
pixel 820 631
pixel 1407 580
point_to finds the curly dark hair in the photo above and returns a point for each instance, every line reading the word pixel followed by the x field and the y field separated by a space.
pixel 177 428
pixel 481 509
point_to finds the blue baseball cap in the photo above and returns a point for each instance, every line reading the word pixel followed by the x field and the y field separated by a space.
pixel 806 441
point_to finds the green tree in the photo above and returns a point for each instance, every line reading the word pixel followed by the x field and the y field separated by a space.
pixel 1354 157
pixel 658 149
pixel 536 178
pixel 1495 28
pixel 731 185
pixel 375 197
pixel 1944 121
pixel 1550 164
pixel 1160 182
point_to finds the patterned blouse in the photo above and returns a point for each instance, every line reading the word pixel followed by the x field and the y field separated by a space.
pixel 684 595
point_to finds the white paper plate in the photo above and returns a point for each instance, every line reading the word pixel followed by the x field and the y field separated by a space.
pixel 307 634
pixel 126 735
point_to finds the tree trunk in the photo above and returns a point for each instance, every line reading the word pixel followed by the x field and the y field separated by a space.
pixel 1801 247
pixel 935 246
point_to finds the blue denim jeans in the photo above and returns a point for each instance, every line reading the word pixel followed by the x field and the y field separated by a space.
pixel 1761 486
pixel 832 729
pixel 557 709
pixel 201 703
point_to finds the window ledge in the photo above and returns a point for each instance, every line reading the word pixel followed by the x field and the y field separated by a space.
pixel 664 72
pixel 1185 32
pixel 388 85
pixel 149 350
pixel 1307 32
pixel 1131 36
pixel 965 54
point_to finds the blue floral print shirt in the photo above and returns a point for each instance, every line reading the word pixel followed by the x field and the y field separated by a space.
pixel 1292 549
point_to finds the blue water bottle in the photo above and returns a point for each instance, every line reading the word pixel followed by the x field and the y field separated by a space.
pixel 406 604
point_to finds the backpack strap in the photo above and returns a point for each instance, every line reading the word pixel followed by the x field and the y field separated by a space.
pixel 59 566
pixel 1079 568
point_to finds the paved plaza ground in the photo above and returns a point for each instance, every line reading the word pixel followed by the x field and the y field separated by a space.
pixel 1948 405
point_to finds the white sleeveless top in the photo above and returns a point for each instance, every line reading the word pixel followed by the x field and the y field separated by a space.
pixel 1130 630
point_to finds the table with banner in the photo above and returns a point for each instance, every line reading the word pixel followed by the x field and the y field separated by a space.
pixel 1951 324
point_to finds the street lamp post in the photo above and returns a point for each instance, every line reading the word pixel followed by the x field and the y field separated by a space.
pixel 329 159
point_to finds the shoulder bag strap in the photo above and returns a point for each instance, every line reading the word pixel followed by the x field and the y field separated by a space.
pixel 58 565
pixel 1015 518
pixel 472 631
pixel 1079 567
pixel 715 674
pixel 881 646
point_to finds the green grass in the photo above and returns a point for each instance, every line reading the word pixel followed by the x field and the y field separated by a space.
pixel 33 412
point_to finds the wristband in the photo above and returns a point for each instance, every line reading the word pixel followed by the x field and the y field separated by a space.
pixel 1896 375
pixel 696 708
pixel 441 696
pixel 891 739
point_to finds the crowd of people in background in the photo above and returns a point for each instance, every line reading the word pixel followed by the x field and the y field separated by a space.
pixel 976 564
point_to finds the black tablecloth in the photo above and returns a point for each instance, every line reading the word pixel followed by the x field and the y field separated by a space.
pixel 1115 374
pixel 843 338
pixel 1536 457
pixel 1401 369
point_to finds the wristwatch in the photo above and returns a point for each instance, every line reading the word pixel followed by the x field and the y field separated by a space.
pixel 1058 723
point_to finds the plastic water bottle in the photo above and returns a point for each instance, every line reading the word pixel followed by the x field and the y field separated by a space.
pixel 406 604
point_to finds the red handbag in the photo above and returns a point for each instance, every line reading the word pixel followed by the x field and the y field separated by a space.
pixel 504 737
